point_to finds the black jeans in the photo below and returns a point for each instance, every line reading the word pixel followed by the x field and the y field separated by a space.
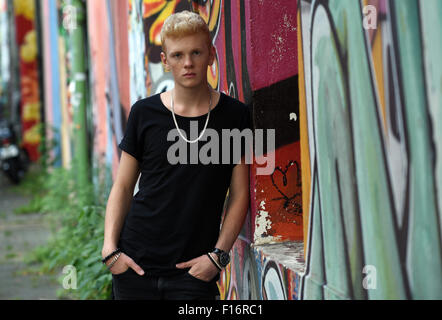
pixel 131 286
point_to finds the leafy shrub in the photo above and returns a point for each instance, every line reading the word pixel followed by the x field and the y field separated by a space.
pixel 77 224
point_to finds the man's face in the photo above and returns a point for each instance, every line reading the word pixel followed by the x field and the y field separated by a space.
pixel 188 58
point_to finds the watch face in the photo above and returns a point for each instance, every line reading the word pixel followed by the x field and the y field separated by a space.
pixel 224 259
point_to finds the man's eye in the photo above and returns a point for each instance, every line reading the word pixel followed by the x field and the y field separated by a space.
pixel 177 55
pixel 196 53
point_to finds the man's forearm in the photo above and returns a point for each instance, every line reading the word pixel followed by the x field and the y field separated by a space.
pixel 116 210
pixel 236 213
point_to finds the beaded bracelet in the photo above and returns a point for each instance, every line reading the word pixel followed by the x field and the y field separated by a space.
pixel 114 260
pixel 110 255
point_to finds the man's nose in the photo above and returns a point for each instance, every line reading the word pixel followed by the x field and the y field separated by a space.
pixel 188 61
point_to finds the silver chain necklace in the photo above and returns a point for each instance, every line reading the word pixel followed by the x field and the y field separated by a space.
pixel 176 124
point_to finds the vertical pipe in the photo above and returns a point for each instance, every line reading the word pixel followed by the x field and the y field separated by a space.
pixel 75 23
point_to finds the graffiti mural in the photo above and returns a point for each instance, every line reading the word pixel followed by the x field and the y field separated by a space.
pixel 273 72
pixel 137 51
pixel 26 36
pixel 275 206
pixel 370 104
pixel 357 168
pixel 52 107
pixel 352 209
pixel 269 272
pixel 109 45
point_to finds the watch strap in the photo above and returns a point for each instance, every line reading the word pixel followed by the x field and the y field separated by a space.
pixel 218 251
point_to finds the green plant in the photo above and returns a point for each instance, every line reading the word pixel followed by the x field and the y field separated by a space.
pixel 10 255
pixel 77 224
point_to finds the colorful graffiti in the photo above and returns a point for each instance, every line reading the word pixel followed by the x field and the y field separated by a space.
pixel 137 51
pixel 268 272
pixel 30 92
pixel 109 45
pixel 52 105
pixel 248 47
pixel 272 51
pixel 370 110
pixel 358 175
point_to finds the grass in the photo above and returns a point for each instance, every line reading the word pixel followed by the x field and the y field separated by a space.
pixel 77 223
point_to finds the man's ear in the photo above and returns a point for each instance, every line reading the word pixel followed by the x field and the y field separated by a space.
pixel 164 61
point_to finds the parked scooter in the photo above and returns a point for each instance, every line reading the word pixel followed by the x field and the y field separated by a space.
pixel 14 160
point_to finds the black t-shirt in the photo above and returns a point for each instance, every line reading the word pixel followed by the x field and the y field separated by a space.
pixel 175 216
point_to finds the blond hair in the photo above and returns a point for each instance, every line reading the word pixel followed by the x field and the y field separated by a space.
pixel 184 23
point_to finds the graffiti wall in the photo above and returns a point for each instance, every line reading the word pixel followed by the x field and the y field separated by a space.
pixel 257 64
pixel 352 209
pixel 30 106
pixel 51 86
pixel 5 58
pixel 370 92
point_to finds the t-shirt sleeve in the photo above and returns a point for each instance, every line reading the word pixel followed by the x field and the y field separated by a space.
pixel 131 140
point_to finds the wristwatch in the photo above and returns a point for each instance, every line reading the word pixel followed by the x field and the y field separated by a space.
pixel 223 257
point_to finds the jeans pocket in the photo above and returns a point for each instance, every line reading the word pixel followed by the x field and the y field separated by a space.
pixel 195 278
pixel 128 271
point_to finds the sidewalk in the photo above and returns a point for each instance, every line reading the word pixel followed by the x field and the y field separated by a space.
pixel 19 234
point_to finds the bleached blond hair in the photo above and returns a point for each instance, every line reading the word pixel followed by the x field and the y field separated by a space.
pixel 184 23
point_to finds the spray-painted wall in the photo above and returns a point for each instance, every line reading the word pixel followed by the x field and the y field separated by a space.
pixel 5 57
pixel 371 98
pixel 9 66
pixel 52 82
pixel 260 270
pixel 30 106
pixel 109 80
pixel 357 177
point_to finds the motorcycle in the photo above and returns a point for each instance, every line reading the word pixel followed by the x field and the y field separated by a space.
pixel 13 159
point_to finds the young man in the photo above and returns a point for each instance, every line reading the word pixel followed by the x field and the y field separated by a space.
pixel 165 242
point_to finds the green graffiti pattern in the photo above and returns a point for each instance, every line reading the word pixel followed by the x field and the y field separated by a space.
pixel 353 213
